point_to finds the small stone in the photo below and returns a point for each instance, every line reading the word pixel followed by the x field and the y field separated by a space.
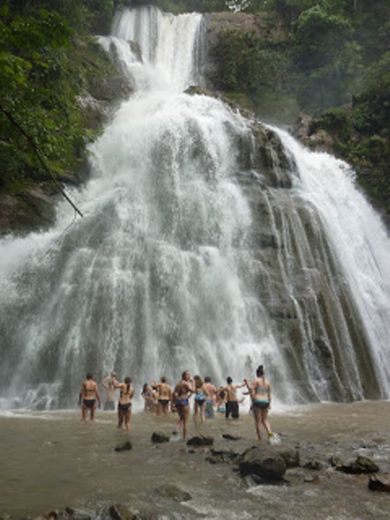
pixel 229 437
pixel 359 466
pixel 379 483
pixel 124 446
pixel 119 512
pixel 313 464
pixel 335 461
pixel 158 437
pixel 173 492
pixel 200 441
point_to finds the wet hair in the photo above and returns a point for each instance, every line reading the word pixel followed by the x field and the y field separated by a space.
pixel 260 371
pixel 198 382
pixel 128 383
pixel 144 388
pixel 183 375
pixel 229 380
pixel 53 515
pixel 163 379
pixel 89 375
pixel 207 379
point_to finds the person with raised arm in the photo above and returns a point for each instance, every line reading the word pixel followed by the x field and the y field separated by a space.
pixel 232 402
pixel 124 405
pixel 109 386
pixel 180 399
pixel 260 392
pixel 88 396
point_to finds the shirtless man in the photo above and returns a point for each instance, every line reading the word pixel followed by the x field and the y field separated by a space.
pixel 232 407
pixel 124 404
pixel 109 385
pixel 211 395
pixel 180 399
pixel 164 396
pixel 88 396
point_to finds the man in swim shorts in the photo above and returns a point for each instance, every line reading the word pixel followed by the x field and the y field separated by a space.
pixel 88 396
pixel 109 386
pixel 232 406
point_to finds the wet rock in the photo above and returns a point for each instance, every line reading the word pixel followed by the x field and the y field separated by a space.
pixel 77 514
pixel 226 456
pixel 264 462
pixel 200 440
pixel 379 483
pixel 229 437
pixel 360 465
pixel 158 437
pixel 290 456
pixel 313 464
pixel 173 492
pixel 335 461
pixel 120 512
pixel 124 446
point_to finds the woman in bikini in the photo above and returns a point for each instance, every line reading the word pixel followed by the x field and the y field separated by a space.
pixel 260 392
pixel 200 399
pixel 124 405
pixel 183 390
pixel 164 396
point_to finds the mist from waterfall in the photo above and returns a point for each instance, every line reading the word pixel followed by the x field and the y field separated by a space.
pixel 200 249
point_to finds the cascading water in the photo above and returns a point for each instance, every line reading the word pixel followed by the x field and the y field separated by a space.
pixel 204 246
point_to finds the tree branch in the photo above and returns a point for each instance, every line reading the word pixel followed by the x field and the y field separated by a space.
pixel 40 159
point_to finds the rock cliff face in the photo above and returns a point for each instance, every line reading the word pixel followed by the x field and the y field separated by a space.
pixel 268 29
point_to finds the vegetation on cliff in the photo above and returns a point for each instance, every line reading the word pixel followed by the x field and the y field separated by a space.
pixel 47 59
pixel 332 62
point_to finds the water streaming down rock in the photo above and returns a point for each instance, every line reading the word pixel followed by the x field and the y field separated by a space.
pixel 203 247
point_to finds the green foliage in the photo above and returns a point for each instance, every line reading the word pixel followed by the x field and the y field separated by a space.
pixel 248 67
pixel 179 6
pixel 41 73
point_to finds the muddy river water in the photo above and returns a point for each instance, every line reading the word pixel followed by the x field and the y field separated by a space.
pixel 51 460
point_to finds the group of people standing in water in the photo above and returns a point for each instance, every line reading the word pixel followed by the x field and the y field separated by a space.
pixel 161 398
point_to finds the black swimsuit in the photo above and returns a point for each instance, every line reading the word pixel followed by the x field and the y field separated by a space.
pixel 124 407
pixel 89 403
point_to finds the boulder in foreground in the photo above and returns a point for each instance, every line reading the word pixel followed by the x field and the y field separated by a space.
pixel 264 462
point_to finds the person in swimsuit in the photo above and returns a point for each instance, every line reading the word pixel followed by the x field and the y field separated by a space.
pixel 200 399
pixel 221 400
pixel 109 386
pixel 164 396
pixel 149 398
pixel 260 392
pixel 88 396
pixel 232 406
pixel 180 399
pixel 211 395
pixel 124 405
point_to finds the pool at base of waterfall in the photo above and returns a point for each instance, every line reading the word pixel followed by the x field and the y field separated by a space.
pixel 50 461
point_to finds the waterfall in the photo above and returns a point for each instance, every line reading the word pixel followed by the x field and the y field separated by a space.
pixel 210 242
